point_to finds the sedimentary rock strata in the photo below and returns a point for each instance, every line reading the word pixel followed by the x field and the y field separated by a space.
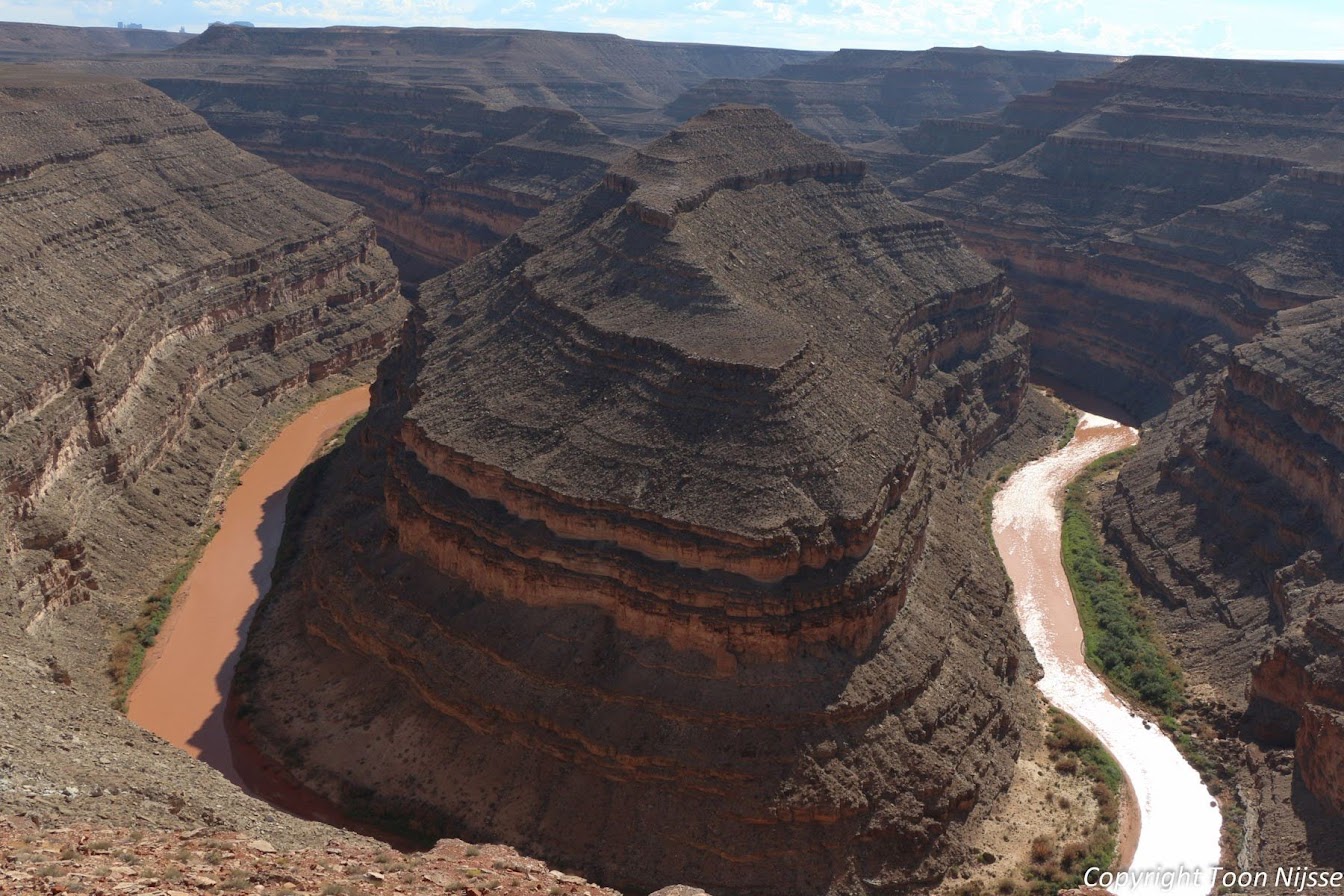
pixel 29 42
pixel 1171 228
pixel 160 290
pixel 448 138
pixel 660 562
pixel 1146 209
pixel 443 174
pixel 1233 515
pixel 856 97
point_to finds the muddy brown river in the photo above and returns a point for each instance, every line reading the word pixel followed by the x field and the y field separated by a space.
pixel 181 693
pixel 1179 823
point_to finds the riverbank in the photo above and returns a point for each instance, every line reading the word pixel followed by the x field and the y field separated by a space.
pixel 1179 821
pixel 181 694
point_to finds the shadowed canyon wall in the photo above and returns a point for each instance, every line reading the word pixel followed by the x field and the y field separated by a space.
pixel 1232 515
pixel 664 559
pixel 448 138
pixel 1143 210
pixel 1172 229
pixel 162 290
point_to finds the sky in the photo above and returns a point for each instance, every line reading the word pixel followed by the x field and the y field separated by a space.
pixel 1267 29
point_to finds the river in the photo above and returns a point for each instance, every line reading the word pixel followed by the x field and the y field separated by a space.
pixel 1179 822
pixel 182 692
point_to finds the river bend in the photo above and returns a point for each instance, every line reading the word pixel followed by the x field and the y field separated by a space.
pixel 1179 822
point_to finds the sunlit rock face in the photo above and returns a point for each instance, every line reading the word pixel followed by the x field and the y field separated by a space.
pixel 162 291
pixel 654 555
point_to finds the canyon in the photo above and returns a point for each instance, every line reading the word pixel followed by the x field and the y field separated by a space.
pixel 167 300
pixel 793 636
pixel 1170 227
pixel 449 139
pixel 659 530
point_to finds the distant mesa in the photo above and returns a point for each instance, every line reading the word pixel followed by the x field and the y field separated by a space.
pixel 654 553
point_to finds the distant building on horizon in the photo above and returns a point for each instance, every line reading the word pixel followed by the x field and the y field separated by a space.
pixel 130 26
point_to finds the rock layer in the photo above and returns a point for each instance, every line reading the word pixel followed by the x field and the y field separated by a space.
pixel 1144 210
pixel 858 97
pixel 30 42
pixel 448 138
pixel 1248 474
pixel 661 563
pixel 161 289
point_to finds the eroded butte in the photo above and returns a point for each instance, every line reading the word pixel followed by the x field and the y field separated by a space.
pixel 655 553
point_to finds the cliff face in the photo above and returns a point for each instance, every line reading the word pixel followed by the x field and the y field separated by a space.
pixel 855 97
pixel 1234 513
pixel 443 174
pixel 161 289
pixel 1145 209
pixel 448 138
pixel 660 559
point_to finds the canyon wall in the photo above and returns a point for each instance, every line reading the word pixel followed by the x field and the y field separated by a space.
pixel 443 174
pixel 30 42
pixel 448 138
pixel 858 97
pixel 1172 230
pixel 662 554
pixel 1233 513
pixel 163 291
pixel 1143 210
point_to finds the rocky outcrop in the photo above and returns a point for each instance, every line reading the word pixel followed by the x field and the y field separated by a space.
pixel 162 291
pixel 659 557
pixel 1248 471
pixel 81 857
pixel 856 97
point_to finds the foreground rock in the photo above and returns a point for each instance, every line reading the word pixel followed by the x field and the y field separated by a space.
pixel 656 553
pixel 85 858
pixel 166 297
